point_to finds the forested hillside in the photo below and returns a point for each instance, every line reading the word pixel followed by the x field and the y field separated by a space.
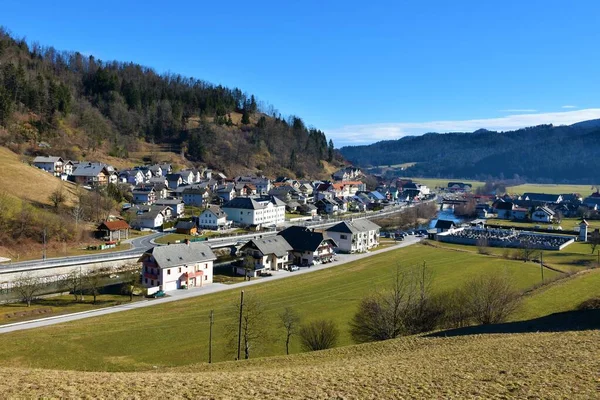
pixel 82 106
pixel 541 154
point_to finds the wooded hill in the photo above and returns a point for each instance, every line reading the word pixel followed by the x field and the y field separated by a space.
pixel 543 154
pixel 84 107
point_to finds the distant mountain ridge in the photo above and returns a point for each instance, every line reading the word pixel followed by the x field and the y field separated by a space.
pixel 543 153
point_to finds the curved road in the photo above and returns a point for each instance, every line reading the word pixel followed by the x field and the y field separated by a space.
pixel 138 246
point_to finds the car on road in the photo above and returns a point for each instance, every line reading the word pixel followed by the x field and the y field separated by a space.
pixel 293 268
pixel 157 295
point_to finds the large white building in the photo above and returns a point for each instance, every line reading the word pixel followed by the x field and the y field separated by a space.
pixel 176 266
pixel 354 236
pixel 258 211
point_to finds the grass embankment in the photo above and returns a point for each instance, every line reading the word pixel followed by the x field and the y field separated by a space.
pixel 566 224
pixel 573 258
pixel 58 305
pixel 143 338
pixel 532 365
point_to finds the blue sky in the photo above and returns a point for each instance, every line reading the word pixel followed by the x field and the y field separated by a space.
pixel 360 71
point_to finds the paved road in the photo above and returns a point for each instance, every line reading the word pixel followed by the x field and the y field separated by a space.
pixel 195 292
pixel 138 246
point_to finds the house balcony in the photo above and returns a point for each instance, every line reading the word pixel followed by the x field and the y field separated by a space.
pixel 151 276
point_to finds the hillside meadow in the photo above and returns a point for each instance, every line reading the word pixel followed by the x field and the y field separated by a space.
pixel 176 334
pixel 501 366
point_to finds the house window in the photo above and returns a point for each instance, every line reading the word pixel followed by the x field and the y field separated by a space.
pixel 179 269
pixel 145 280
pixel 152 282
pixel 343 237
pixel 169 272
pixel 205 266
pixel 205 277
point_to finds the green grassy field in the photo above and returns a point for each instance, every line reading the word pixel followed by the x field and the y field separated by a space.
pixel 584 190
pixel 562 295
pixel 57 305
pixel 177 333
pixel 573 258
pixel 565 224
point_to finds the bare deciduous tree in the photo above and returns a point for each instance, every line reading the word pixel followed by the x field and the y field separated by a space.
pixel 28 286
pixel 491 298
pixel 594 240
pixel 254 328
pixel 93 284
pixel 73 281
pixel 406 308
pixel 290 321
pixel 318 335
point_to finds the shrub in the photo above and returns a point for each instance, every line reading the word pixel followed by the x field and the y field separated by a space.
pixel 318 335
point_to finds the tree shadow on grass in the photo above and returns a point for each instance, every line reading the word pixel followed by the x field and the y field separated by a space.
pixel 558 322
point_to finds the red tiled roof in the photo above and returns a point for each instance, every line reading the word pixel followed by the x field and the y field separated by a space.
pixel 115 225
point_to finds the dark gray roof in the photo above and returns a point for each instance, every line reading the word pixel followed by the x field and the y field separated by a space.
pixel 542 197
pixel 168 202
pixel 304 239
pixel 444 224
pixel 356 226
pixel 180 254
pixel 185 225
pixel 272 245
pixel 252 203
pixel 173 177
pixel 215 210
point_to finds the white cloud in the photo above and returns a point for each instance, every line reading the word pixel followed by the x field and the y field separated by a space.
pixel 370 133
pixel 569 106
pixel 519 110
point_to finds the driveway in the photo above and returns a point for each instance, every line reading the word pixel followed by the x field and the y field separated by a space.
pixel 195 292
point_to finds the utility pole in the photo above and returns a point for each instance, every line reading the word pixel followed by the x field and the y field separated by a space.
pixel 44 238
pixel 542 264
pixel 210 336
pixel 240 326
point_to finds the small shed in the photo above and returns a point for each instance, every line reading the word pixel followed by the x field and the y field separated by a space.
pixel 186 227
pixel 113 230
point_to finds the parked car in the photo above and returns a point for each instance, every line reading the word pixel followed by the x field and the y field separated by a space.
pixel 158 294
pixel 294 268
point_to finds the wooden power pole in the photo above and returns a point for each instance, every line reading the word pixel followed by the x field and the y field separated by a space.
pixel 542 264
pixel 212 313
pixel 240 326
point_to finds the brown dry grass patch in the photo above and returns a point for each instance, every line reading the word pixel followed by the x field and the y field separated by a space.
pixel 536 365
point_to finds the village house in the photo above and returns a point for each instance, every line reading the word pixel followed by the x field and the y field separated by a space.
pixel 174 180
pixel 346 174
pixel 354 236
pixel 542 214
pixel 226 192
pixel 91 174
pixel 156 170
pixel 177 266
pixel 542 198
pixel 444 225
pixel 54 165
pixel 152 219
pixel 308 246
pixel 257 211
pixel 213 217
pixel 195 196
pixel 266 254
pixel 308 209
pixel 113 230
pixel 520 214
pixel 459 187
pixel 144 195
pixel 503 209
pixel 186 227
pixel 132 176
pixel 177 206
pixel 327 206
pixel 145 172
